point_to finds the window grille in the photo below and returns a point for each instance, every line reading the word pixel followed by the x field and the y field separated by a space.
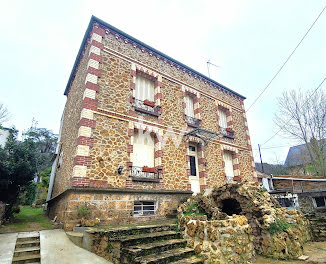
pixel 143 208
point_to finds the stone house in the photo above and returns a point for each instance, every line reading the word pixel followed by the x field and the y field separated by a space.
pixel 141 131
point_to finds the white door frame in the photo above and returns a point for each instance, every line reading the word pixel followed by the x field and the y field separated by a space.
pixel 194 179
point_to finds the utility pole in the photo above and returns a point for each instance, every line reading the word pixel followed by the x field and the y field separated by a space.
pixel 261 161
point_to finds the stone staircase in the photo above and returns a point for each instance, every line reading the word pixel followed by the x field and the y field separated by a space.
pixel 27 248
pixel 153 244
pixel 146 244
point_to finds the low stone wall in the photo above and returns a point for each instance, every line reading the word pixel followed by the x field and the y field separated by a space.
pixel 316 216
pixel 221 241
pixel 242 212
pixel 112 206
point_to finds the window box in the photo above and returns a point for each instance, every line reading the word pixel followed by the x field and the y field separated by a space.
pixel 140 106
pixel 227 132
pixel 149 103
pixel 193 122
pixel 149 175
pixel 148 169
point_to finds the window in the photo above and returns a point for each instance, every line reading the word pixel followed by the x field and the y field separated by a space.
pixel 190 106
pixel 144 89
pixel 228 161
pixel 319 201
pixel 143 150
pixel 222 118
pixel 143 208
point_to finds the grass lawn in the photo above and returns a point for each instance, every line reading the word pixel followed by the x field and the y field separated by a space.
pixel 28 219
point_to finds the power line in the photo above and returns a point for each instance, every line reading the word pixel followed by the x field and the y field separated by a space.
pixel 292 117
pixel 288 58
pixel 272 147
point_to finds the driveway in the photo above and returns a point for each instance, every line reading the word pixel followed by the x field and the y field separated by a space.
pixel 55 248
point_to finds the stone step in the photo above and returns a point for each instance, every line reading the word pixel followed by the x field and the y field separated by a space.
pixel 28 243
pixel 151 248
pixel 190 260
pixel 32 258
pixel 166 256
pixel 27 251
pixel 28 238
pixel 134 230
pixel 146 238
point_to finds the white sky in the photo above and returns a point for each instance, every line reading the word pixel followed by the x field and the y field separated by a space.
pixel 248 39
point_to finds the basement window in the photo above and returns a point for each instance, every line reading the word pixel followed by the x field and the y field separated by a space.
pixel 144 208
pixel 319 202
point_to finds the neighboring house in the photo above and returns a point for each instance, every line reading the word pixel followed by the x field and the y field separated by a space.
pixel 306 193
pixel 297 160
pixel 4 134
pixel 124 99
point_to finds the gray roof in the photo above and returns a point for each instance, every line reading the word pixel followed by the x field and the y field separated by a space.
pixel 138 42
pixel 298 155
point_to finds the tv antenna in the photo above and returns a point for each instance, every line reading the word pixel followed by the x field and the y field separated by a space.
pixel 208 64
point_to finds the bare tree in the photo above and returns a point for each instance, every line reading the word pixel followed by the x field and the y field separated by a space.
pixel 3 113
pixel 302 116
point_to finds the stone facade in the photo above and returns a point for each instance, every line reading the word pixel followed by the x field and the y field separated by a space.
pixel 101 119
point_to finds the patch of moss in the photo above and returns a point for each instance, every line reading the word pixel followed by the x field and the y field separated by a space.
pixel 278 226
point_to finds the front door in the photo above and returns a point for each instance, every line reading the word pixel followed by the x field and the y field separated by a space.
pixel 194 173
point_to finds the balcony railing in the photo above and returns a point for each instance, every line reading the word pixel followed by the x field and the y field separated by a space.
pixel 140 106
pixel 138 174
pixel 191 121
pixel 226 133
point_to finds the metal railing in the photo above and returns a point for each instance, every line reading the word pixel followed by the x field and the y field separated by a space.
pixel 142 107
pixel 225 133
pixel 138 173
pixel 192 121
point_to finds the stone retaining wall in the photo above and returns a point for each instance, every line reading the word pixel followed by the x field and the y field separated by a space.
pixel 111 206
pixel 221 241
pixel 242 212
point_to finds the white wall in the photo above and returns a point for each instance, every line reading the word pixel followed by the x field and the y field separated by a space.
pixel 4 134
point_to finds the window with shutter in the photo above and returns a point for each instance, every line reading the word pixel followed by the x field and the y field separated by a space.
pixel 190 106
pixel 228 161
pixel 144 89
pixel 222 118
pixel 143 150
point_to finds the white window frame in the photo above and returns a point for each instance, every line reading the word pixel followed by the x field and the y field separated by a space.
pixel 145 88
pixel 142 210
pixel 315 204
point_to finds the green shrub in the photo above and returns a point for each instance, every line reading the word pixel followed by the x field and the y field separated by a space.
pixel 194 209
pixel 29 194
pixel 278 226
pixel 83 211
